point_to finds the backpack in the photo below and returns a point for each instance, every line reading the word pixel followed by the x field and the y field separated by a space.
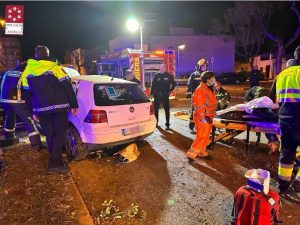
pixel 255 208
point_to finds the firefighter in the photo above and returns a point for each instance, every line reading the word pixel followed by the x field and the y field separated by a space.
pixel 163 83
pixel 287 89
pixel 205 104
pixel 193 83
pixel 222 95
pixel 13 107
pixel 52 97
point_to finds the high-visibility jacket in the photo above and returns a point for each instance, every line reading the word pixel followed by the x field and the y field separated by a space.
pixel 288 92
pixel 204 101
pixel 49 85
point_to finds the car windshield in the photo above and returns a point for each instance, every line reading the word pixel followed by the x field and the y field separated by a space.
pixel 118 94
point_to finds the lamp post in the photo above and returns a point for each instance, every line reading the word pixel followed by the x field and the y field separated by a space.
pixel 133 25
pixel 179 47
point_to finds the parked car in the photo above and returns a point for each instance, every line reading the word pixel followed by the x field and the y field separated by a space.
pixel 232 78
pixel 111 112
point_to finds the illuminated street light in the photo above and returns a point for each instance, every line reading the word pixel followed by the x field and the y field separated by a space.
pixel 133 25
pixel 180 47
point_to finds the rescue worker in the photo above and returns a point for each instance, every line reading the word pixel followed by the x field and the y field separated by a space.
pixel 163 83
pixel 130 77
pixel 13 107
pixel 258 92
pixel 287 89
pixel 193 82
pixel 222 95
pixel 52 97
pixel 205 105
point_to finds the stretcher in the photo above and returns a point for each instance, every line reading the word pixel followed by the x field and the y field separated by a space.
pixel 228 129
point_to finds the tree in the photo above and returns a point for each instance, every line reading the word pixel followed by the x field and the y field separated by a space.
pixel 281 40
pixel 240 21
pixel 251 22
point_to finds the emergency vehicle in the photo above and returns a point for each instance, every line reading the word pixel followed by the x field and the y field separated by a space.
pixel 116 63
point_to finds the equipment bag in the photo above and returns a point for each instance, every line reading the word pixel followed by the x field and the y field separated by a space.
pixel 255 208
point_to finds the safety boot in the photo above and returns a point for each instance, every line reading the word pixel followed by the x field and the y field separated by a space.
pixel 290 195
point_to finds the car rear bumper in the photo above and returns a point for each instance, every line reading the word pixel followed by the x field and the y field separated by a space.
pixel 110 136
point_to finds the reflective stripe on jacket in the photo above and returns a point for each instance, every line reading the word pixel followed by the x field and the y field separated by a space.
pixel 288 85
pixel 204 101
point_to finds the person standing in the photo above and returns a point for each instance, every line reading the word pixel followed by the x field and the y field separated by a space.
pixel 52 97
pixel 287 89
pixel 222 95
pixel 13 107
pixel 163 83
pixel 130 77
pixel 255 76
pixel 193 83
pixel 205 105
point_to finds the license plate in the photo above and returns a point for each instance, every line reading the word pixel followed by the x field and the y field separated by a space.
pixel 132 130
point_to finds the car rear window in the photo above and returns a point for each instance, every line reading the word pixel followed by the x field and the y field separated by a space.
pixel 118 94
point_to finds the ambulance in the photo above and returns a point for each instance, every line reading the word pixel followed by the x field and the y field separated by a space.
pixel 116 63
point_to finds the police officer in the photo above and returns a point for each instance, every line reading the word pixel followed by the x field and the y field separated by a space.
pixel 287 89
pixel 13 106
pixel 222 95
pixel 193 83
pixel 163 83
pixel 52 97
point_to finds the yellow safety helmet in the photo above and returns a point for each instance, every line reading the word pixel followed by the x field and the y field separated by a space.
pixel 201 62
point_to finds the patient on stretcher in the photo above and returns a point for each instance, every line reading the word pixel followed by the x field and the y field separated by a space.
pixel 257 110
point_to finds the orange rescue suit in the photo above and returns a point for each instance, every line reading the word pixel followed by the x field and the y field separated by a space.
pixel 205 104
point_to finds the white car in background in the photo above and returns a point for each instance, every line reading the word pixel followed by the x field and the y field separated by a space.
pixel 111 112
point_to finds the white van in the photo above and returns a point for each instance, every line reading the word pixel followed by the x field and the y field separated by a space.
pixel 111 112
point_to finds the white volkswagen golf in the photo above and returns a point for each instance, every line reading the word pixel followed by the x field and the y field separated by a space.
pixel 111 112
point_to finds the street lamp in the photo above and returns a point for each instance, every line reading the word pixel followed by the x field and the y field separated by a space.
pixel 179 47
pixel 133 25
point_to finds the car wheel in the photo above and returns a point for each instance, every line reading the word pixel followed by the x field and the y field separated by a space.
pixel 75 149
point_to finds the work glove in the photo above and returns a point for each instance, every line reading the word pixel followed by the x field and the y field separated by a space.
pixel 208 120
pixel 188 95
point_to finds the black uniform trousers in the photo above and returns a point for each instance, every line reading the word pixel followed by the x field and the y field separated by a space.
pixel 21 110
pixel 54 126
pixel 290 140
pixel 164 99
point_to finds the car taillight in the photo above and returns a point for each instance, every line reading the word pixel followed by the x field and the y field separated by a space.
pixel 96 116
pixel 151 109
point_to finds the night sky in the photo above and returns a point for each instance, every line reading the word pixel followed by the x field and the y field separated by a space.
pixel 69 25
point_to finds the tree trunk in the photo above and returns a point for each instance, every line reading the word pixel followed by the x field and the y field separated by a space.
pixel 280 54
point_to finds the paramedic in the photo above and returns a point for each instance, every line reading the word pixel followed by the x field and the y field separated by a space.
pixel 222 95
pixel 287 89
pixel 193 83
pixel 13 107
pixel 52 97
pixel 163 83
pixel 205 104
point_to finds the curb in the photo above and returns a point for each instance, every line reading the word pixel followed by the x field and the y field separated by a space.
pixel 85 216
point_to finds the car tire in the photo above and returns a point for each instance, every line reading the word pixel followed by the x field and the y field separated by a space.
pixel 75 149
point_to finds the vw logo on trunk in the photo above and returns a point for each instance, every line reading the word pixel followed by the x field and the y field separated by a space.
pixel 131 109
